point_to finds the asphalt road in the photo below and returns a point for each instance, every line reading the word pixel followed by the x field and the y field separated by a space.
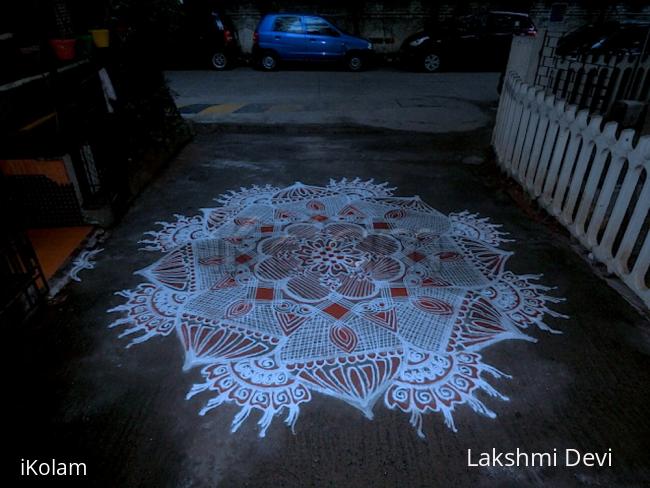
pixel 75 392
pixel 384 98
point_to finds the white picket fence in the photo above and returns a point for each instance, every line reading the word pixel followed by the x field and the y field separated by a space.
pixel 592 179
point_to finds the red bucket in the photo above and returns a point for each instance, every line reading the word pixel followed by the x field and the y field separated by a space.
pixel 63 48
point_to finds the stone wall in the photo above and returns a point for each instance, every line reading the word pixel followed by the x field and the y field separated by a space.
pixel 524 56
pixel 387 23
pixel 578 13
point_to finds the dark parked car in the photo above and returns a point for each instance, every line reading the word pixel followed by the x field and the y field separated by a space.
pixel 607 38
pixel 468 42
pixel 205 39
pixel 302 37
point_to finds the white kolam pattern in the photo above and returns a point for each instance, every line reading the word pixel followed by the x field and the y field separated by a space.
pixel 344 290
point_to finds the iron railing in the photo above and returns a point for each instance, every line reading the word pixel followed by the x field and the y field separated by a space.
pixel 23 287
pixel 594 83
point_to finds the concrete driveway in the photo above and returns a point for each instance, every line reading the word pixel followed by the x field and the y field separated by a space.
pixel 385 98
pixel 75 392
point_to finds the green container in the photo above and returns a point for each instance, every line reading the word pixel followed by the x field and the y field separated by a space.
pixel 85 45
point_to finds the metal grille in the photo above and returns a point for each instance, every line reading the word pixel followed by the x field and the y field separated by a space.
pixel 592 82
pixel 22 284
pixel 44 203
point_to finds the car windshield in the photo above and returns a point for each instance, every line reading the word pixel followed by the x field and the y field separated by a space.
pixel 465 24
pixel 337 27
pixel 319 27
pixel 587 35
pixel 630 37
pixel 288 23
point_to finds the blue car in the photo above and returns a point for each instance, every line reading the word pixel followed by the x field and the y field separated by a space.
pixel 300 37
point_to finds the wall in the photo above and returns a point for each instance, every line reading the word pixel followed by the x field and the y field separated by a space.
pixel 388 22
pixel 578 13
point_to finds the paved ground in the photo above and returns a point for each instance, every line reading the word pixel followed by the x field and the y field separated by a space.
pixel 77 394
pixel 380 98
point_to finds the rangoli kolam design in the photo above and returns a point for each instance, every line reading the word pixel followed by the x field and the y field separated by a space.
pixel 344 290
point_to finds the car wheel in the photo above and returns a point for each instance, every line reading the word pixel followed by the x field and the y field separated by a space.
pixel 220 61
pixel 431 63
pixel 268 62
pixel 355 62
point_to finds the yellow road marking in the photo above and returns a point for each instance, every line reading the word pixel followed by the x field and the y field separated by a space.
pixel 224 108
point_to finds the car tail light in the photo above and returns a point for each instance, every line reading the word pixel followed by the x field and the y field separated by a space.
pixel 531 32
pixel 256 38
pixel 227 36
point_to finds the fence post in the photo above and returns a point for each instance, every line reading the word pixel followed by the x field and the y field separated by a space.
pixel 576 129
pixel 604 143
pixel 640 163
pixel 606 194
pixel 545 106
pixel 563 138
pixel 524 126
